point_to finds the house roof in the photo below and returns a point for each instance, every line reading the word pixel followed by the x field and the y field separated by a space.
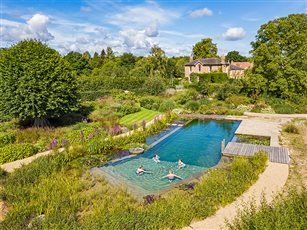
pixel 234 67
pixel 244 65
pixel 205 61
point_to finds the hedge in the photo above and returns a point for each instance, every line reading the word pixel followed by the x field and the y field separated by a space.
pixel 214 77
pixel 13 152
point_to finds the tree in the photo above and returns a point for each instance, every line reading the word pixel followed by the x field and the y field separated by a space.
pixel 127 60
pixel 205 49
pixel 95 61
pixel 79 64
pixel 280 56
pixel 158 62
pixel 36 83
pixel 154 85
pixel 235 56
pixel 86 55
pixel 102 55
pixel 110 54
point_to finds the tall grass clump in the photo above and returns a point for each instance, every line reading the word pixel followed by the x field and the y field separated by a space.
pixel 285 212
pixel 291 128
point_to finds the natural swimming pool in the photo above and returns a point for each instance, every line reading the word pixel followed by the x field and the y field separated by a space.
pixel 198 144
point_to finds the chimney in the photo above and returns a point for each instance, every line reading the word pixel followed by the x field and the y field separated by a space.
pixel 223 58
pixel 192 55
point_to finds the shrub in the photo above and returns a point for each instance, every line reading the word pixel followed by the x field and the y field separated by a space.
pixel 219 77
pixel 189 94
pixel 238 100
pixel 7 138
pixel 192 105
pixel 128 108
pixel 153 86
pixel 291 128
pixel 167 105
pixel 12 152
pixel 151 102
pixel 227 89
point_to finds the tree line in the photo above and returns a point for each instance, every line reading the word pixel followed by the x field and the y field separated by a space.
pixel 37 83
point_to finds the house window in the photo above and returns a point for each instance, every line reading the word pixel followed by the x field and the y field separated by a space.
pixel 199 68
pixel 190 68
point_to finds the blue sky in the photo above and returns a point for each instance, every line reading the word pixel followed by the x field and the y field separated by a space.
pixel 135 26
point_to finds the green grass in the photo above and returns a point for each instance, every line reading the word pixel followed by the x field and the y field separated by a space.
pixel 71 198
pixel 138 117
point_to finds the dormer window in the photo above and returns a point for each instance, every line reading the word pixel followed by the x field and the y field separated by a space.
pixel 199 68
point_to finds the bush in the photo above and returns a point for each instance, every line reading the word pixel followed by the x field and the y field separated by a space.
pixel 227 89
pixel 153 86
pixel 7 138
pixel 219 77
pixel 291 128
pixel 151 103
pixel 192 105
pixel 238 100
pixel 13 152
pixel 167 105
pixel 128 108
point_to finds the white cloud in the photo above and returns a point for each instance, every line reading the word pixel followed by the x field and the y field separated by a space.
pixel 180 34
pixel 135 39
pixel 234 34
pixel 35 27
pixel 201 12
pixel 152 30
pixel 5 22
pixel 142 15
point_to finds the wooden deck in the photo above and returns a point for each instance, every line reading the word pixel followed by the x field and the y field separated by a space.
pixel 275 154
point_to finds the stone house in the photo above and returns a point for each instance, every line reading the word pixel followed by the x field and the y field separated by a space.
pixel 208 65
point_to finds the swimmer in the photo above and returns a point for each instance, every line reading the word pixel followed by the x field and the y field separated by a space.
pixel 140 170
pixel 156 158
pixel 171 176
pixel 181 164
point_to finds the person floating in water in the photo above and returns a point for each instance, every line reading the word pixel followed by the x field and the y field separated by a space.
pixel 171 176
pixel 140 170
pixel 156 158
pixel 181 164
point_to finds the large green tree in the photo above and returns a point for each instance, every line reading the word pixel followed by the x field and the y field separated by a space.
pixel 235 56
pixel 205 49
pixel 77 62
pixel 95 61
pixel 280 56
pixel 36 83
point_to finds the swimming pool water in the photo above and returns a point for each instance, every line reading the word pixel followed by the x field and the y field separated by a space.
pixel 197 144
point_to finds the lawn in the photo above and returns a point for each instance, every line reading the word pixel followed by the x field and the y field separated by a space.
pixel 144 114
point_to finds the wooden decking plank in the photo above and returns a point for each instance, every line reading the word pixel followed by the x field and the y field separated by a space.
pixel 275 154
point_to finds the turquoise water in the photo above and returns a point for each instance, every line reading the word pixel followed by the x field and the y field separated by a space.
pixel 197 144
